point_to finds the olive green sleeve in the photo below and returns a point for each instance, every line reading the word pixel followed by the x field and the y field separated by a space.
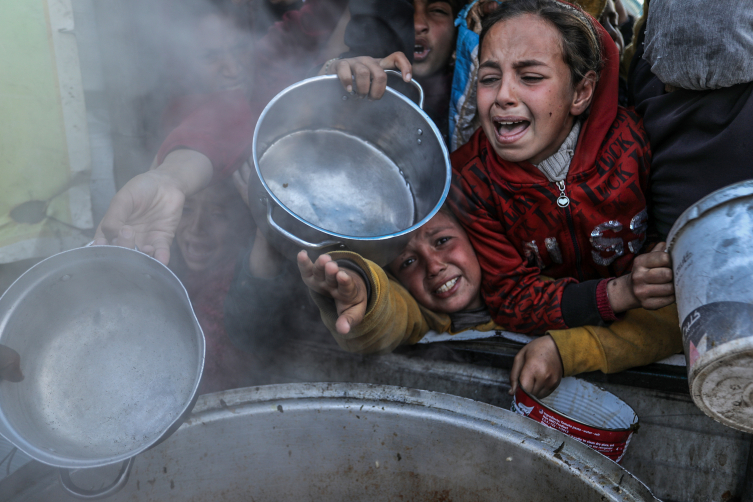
pixel 642 337
pixel 393 317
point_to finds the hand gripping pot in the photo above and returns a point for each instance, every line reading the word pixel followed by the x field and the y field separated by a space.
pixel 335 171
pixel 584 412
pixel 112 356
pixel 711 244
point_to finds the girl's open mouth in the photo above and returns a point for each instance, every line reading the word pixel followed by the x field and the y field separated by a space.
pixel 420 52
pixel 509 131
pixel 448 288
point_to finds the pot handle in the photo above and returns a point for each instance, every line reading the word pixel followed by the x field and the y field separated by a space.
pixel 415 84
pixel 70 487
pixel 297 240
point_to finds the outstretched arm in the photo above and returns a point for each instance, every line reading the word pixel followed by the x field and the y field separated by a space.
pixel 146 211
pixel 392 317
pixel 344 286
pixel 642 337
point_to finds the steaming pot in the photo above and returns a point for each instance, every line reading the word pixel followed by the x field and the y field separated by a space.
pixel 336 171
pixel 355 442
pixel 112 355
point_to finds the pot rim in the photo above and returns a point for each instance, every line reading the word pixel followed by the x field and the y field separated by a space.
pixel 56 460
pixel 398 95
pixel 709 202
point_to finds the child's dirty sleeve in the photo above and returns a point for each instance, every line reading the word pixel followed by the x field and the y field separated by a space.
pixel 642 337
pixel 393 317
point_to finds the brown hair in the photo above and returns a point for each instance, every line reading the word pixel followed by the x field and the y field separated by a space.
pixel 581 44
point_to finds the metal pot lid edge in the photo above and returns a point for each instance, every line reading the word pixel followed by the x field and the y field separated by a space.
pixel 712 200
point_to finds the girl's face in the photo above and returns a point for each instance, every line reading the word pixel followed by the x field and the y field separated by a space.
pixel 526 99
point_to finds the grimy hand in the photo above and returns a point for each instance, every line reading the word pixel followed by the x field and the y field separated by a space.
pixel 368 73
pixel 537 368
pixel 650 285
pixel 344 286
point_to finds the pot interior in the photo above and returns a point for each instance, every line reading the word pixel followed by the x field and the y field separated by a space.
pixel 360 442
pixel 111 353
pixel 349 166
pixel 338 182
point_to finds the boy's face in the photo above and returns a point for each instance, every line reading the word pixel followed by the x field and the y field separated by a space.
pixel 221 54
pixel 439 267
pixel 526 100
pixel 435 34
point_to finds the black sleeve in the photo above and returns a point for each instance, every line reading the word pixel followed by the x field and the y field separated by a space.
pixel 377 28
pixel 579 305
pixel 626 29
pixel 257 310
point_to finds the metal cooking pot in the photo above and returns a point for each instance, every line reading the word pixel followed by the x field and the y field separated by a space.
pixel 112 355
pixel 355 442
pixel 335 171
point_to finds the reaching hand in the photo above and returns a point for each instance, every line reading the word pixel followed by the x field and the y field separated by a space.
pixel 10 365
pixel 537 368
pixel 368 73
pixel 344 286
pixel 650 285
pixel 146 211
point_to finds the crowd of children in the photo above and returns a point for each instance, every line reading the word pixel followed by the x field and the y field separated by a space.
pixel 560 199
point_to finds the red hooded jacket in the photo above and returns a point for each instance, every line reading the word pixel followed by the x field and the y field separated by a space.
pixel 520 233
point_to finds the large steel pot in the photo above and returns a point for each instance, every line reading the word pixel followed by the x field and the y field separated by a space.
pixel 356 442
pixel 335 171
pixel 112 355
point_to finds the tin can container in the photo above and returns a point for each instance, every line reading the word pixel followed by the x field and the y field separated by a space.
pixel 583 411
pixel 711 245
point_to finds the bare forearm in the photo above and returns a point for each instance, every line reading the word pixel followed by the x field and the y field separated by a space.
pixel 188 170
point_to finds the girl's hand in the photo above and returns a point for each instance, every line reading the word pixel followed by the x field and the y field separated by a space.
pixel 344 286
pixel 650 285
pixel 368 73
pixel 537 368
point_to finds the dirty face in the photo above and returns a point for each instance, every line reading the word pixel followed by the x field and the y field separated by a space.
pixel 221 54
pixel 205 234
pixel 526 98
pixel 435 36
pixel 439 267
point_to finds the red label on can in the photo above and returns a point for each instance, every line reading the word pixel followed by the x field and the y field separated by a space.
pixel 611 444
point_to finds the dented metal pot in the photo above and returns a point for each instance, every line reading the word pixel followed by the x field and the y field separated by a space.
pixel 354 442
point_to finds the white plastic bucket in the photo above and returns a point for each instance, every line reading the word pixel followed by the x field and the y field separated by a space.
pixel 712 257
